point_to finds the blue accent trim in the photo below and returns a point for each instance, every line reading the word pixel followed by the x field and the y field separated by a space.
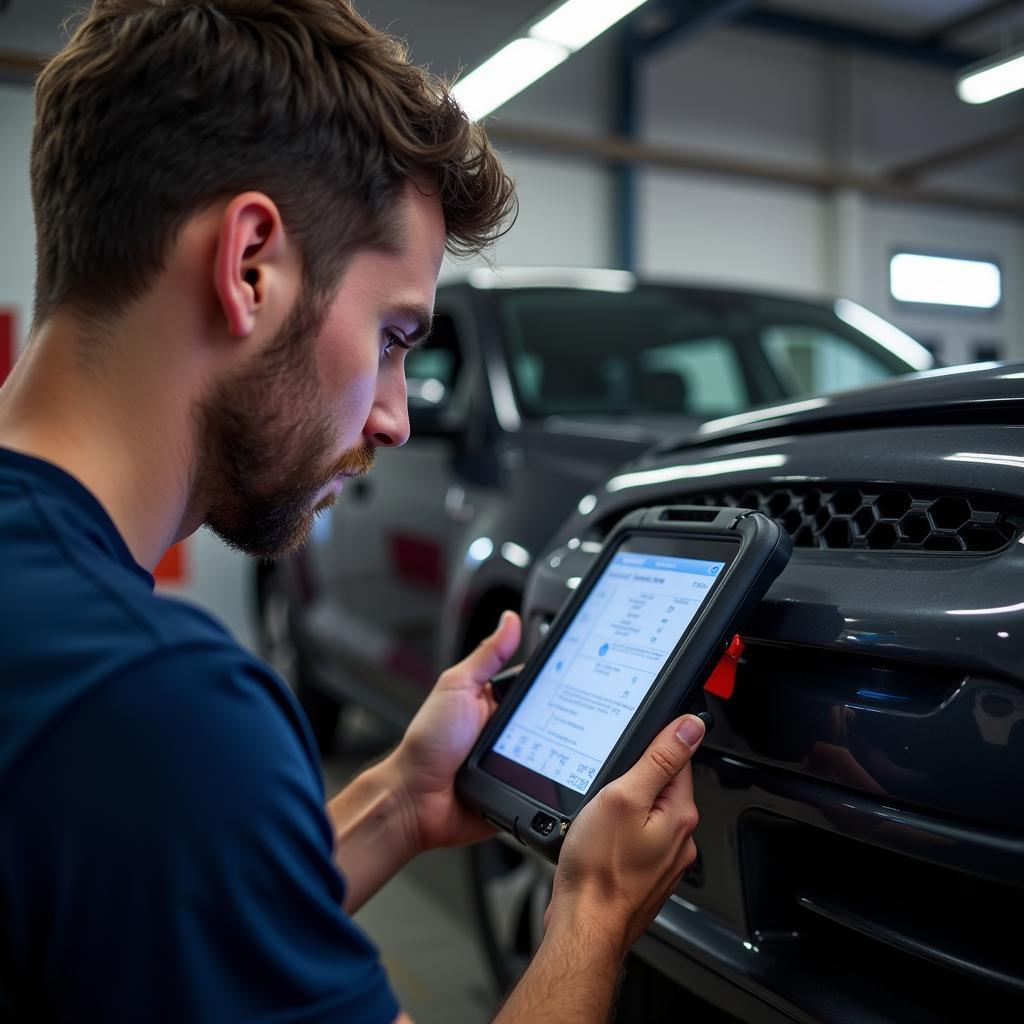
pixel 892 698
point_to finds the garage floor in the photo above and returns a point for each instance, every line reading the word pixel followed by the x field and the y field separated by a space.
pixel 422 919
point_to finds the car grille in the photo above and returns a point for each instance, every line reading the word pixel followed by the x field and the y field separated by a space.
pixel 873 518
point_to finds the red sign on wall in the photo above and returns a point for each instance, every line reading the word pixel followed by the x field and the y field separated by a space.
pixel 6 343
pixel 173 567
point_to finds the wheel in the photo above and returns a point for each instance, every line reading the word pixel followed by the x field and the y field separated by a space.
pixel 281 650
pixel 511 888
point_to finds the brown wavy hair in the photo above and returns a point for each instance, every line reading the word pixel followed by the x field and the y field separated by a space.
pixel 156 108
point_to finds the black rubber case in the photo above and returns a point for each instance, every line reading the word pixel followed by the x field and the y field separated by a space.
pixel 762 551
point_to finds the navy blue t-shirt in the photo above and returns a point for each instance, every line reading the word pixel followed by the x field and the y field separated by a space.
pixel 164 852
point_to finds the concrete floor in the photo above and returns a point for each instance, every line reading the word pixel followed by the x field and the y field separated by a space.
pixel 422 920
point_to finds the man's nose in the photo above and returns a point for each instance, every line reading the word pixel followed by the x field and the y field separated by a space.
pixel 389 420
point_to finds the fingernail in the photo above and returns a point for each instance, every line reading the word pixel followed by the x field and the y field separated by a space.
pixel 690 731
pixel 503 619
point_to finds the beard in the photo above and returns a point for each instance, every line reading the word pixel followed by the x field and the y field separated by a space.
pixel 266 445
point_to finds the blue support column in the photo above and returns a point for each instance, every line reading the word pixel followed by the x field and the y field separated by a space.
pixel 652 26
pixel 626 174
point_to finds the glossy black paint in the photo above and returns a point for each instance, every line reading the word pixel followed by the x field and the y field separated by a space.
pixel 861 798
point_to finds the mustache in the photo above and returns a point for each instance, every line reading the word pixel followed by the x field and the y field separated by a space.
pixel 356 461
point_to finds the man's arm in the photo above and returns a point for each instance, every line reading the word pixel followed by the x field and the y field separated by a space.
pixel 406 803
pixel 622 858
pixel 373 839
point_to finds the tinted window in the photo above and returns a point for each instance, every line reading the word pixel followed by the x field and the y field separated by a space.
pixel 676 351
pixel 702 375
pixel 810 360
pixel 599 352
pixel 431 371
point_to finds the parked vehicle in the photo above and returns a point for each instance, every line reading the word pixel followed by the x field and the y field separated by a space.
pixel 862 813
pixel 533 387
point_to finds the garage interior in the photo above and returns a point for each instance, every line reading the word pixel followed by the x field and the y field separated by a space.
pixel 791 147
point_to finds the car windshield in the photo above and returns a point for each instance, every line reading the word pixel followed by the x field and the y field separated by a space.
pixel 677 351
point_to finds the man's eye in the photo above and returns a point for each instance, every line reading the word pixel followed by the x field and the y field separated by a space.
pixel 392 340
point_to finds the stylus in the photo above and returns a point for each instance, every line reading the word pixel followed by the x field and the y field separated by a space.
pixel 502 682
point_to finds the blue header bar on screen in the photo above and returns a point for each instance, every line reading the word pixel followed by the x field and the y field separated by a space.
pixel 665 563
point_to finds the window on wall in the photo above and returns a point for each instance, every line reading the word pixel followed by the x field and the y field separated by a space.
pixel 944 281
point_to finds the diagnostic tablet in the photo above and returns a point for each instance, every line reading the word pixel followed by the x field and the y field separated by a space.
pixel 628 652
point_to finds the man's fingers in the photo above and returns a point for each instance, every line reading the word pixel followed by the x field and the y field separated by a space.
pixel 494 651
pixel 665 758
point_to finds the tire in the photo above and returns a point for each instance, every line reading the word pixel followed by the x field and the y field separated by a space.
pixel 281 649
pixel 511 888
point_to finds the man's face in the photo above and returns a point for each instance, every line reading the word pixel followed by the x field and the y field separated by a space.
pixel 277 439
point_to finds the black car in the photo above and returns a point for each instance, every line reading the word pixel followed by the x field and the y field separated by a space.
pixel 862 793
pixel 534 386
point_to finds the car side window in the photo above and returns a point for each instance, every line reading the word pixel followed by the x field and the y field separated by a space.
pixel 812 360
pixel 703 375
pixel 431 372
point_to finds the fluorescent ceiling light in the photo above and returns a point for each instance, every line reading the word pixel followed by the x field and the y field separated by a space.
pixel 888 335
pixel 576 22
pixel 507 73
pixel 979 84
pixel 944 281
pixel 518 65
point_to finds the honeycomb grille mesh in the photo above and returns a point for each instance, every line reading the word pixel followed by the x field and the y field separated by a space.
pixel 877 519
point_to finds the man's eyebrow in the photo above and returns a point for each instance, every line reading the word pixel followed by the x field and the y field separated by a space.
pixel 421 316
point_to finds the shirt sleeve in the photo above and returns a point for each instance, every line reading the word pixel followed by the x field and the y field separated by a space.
pixel 176 858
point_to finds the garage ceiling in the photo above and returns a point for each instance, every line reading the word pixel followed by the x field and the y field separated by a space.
pixel 985 26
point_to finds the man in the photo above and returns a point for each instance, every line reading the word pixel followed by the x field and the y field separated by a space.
pixel 241 209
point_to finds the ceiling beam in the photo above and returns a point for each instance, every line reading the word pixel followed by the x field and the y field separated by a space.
pixel 661 22
pixel 950 156
pixel 838 34
pixel 983 12
pixel 19 67
pixel 617 149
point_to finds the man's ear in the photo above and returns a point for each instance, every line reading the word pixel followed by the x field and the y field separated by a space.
pixel 249 263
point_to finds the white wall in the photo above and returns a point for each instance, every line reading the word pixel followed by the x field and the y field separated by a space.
pixel 755 96
pixel 17 235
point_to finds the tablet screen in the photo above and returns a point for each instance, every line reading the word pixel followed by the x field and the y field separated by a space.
pixel 604 664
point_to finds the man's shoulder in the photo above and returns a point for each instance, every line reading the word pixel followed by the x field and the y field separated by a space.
pixel 73 624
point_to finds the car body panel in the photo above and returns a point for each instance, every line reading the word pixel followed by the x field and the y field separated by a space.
pixel 862 813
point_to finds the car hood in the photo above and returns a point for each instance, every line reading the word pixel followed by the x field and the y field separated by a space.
pixel 983 392
pixel 641 430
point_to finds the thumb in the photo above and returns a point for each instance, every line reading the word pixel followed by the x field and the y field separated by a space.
pixel 493 651
pixel 666 757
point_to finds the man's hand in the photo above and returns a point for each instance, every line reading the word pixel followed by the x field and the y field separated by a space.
pixel 630 845
pixel 441 736
pixel 622 858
